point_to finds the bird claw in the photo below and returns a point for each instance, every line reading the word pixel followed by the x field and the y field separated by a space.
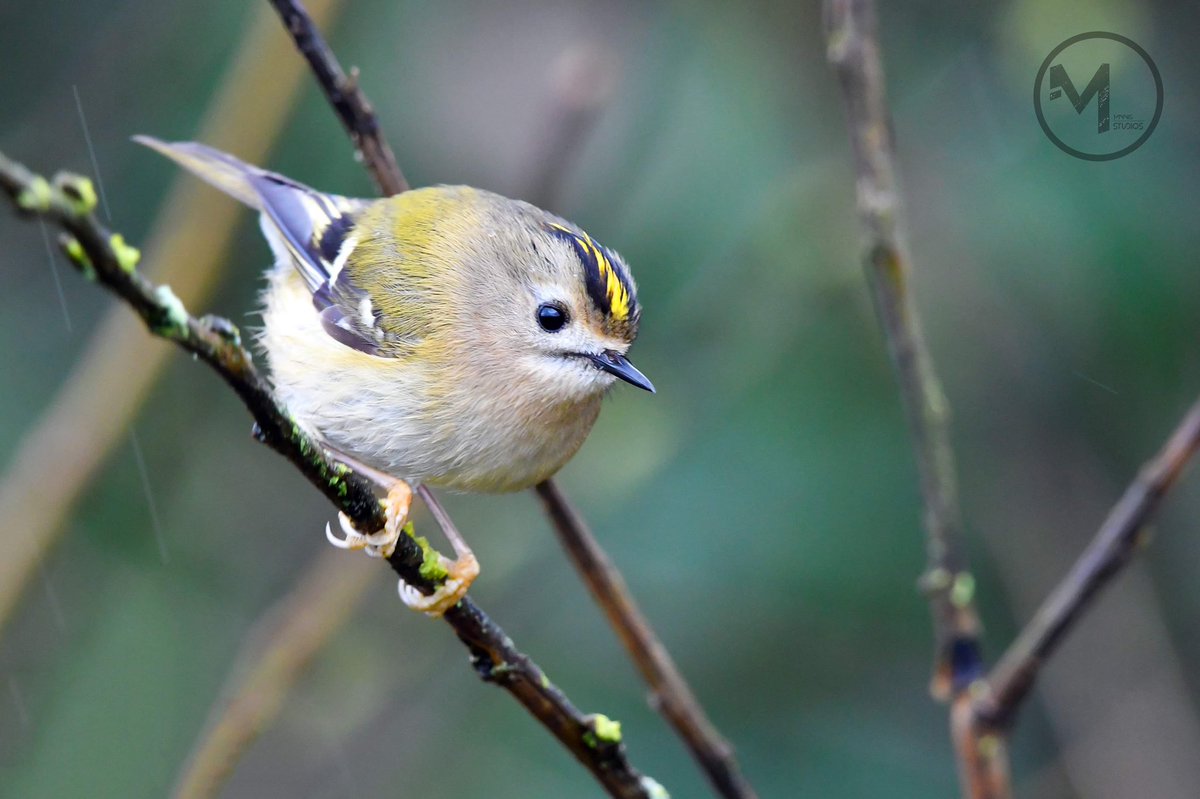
pixel 460 573
pixel 379 544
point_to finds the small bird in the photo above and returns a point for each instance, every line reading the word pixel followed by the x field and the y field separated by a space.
pixel 446 336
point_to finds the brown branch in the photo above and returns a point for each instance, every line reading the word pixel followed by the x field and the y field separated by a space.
pixel 1114 545
pixel 853 50
pixel 103 256
pixel 669 692
pixel 981 752
pixel 352 107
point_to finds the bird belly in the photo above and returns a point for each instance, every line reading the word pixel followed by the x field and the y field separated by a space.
pixel 498 446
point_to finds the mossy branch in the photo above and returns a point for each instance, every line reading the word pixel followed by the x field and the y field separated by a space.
pixel 58 456
pixel 104 256
pixel 99 254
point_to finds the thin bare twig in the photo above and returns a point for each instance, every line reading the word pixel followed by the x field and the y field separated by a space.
pixel 347 99
pixel 853 50
pixel 104 256
pixel 1114 545
pixel 670 694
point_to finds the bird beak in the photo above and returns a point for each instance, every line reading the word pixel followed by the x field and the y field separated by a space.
pixel 617 364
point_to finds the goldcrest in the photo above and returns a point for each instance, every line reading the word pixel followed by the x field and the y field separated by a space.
pixel 445 336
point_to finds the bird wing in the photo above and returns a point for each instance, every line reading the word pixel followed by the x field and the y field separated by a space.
pixel 312 230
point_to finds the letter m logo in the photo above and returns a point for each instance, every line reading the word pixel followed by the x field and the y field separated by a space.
pixel 1097 87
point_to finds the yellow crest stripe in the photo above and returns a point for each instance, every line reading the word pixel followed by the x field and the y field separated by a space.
pixel 618 296
pixel 603 277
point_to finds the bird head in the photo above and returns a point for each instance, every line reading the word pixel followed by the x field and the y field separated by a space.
pixel 576 311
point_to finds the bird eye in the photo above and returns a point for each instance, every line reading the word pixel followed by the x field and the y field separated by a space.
pixel 552 316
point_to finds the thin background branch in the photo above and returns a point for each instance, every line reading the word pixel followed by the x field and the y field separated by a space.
pixel 276 654
pixel 1142 738
pixel 1114 545
pixel 583 78
pixel 854 53
pixel 853 50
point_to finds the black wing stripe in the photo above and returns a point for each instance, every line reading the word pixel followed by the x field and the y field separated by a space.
pixel 334 237
pixel 314 226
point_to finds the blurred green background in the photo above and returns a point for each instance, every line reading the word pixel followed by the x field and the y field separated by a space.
pixel 762 506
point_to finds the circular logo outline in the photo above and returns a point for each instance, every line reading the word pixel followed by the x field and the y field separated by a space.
pixel 1068 149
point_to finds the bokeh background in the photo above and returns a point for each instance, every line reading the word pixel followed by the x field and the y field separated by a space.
pixel 762 506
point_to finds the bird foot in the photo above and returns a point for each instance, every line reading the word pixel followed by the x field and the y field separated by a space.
pixel 383 543
pixel 460 573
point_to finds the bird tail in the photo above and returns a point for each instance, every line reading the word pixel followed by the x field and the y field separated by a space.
pixel 304 226
pixel 220 169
